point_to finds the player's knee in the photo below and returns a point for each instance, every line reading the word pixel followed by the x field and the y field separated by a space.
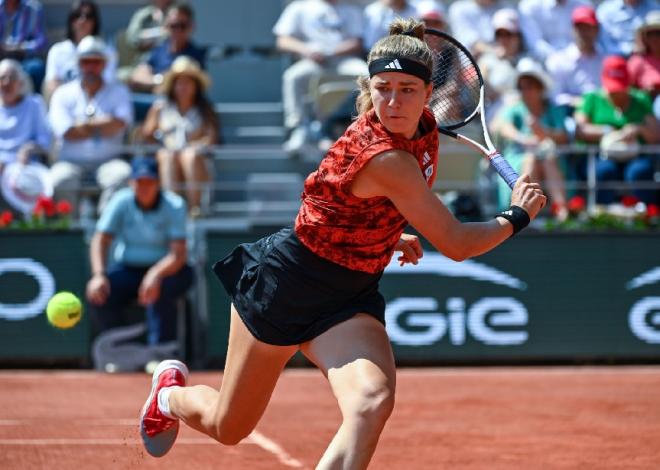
pixel 374 402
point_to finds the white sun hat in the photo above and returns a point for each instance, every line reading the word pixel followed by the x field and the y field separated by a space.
pixel 21 185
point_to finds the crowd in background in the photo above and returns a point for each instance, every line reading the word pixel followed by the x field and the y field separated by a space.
pixel 556 72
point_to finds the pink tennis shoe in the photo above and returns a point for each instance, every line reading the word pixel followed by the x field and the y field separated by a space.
pixel 157 430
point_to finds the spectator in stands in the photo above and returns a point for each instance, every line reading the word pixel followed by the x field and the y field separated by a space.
pixel 147 26
pixel 433 14
pixel 532 127
pixel 185 123
pixel 23 36
pixel 471 23
pixel 325 36
pixel 180 24
pixel 378 16
pixel 619 20
pixel 62 62
pixel 148 263
pixel 498 64
pixel 575 70
pixel 546 24
pixel 89 118
pixel 619 118
pixel 24 131
pixel 644 67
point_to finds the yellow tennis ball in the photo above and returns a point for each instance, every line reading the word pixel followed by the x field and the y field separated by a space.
pixel 64 310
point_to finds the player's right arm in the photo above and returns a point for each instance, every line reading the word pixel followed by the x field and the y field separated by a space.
pixel 396 175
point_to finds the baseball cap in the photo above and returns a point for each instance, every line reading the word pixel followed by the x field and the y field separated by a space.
pixel 614 75
pixel 651 21
pixel 584 15
pixel 528 67
pixel 506 18
pixel 431 10
pixel 144 167
pixel 91 47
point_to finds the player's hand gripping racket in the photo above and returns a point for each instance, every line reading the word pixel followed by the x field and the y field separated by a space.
pixel 458 96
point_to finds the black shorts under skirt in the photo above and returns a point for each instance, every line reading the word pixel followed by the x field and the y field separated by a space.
pixel 287 295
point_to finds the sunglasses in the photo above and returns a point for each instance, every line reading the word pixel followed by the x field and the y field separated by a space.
pixel 503 33
pixel 178 26
pixel 8 78
pixel 93 62
pixel 84 16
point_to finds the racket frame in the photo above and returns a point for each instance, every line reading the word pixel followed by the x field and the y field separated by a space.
pixel 489 151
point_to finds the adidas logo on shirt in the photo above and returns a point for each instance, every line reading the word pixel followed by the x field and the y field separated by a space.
pixel 426 158
pixel 394 65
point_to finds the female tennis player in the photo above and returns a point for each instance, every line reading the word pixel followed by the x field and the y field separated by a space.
pixel 314 288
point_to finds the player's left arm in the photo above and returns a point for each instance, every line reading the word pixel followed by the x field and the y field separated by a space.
pixel 396 175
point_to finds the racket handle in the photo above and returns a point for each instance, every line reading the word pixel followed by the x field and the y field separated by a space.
pixel 504 169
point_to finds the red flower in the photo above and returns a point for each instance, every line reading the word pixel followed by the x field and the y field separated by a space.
pixel 576 204
pixel 44 205
pixel 629 201
pixel 652 210
pixel 63 207
pixel 6 218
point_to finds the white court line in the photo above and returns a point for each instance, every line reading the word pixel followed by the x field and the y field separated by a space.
pixel 85 421
pixel 95 442
pixel 255 438
pixel 275 449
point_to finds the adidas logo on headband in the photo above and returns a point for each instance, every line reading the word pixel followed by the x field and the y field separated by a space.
pixel 394 65
pixel 400 64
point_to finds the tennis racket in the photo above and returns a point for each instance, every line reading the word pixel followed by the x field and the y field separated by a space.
pixel 458 96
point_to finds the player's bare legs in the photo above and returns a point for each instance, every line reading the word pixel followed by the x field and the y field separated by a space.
pixel 251 372
pixel 357 359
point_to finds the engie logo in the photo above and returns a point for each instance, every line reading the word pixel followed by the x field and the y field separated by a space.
pixel 644 316
pixel 424 324
pixel 45 291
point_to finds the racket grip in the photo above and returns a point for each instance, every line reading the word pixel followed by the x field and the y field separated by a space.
pixel 504 169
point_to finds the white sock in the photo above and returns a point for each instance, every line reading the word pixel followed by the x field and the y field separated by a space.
pixel 164 401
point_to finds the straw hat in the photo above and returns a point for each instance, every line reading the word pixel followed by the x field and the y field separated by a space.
pixel 184 65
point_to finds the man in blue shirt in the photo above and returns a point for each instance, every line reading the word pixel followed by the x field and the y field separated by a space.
pixel 148 263
pixel 619 20
pixel 23 36
pixel 179 24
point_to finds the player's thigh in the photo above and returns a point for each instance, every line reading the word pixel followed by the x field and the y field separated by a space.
pixel 356 357
pixel 251 372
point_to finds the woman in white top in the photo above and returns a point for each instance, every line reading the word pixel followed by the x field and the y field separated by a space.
pixel 24 130
pixel 62 61
pixel 498 65
pixel 184 122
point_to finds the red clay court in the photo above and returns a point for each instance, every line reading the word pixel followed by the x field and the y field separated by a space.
pixel 445 418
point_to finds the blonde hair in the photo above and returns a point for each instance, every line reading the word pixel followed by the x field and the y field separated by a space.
pixel 406 40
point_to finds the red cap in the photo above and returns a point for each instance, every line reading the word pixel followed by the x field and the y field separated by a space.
pixel 614 75
pixel 584 15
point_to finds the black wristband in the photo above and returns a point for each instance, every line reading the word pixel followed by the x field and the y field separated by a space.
pixel 517 216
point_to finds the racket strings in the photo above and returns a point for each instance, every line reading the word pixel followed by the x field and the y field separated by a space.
pixel 456 83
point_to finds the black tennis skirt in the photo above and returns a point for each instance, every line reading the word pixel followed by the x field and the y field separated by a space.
pixel 286 294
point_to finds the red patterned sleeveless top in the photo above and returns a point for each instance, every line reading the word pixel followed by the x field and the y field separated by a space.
pixel 359 233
